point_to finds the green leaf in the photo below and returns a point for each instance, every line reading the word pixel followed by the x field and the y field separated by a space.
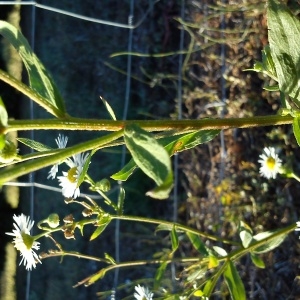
pixel 173 145
pixel 109 258
pixel 101 225
pixel 152 158
pixel 258 262
pixel 190 140
pixel 121 198
pixel 222 252
pixel 39 79
pixel 197 243
pixel 267 65
pixel 270 243
pixel 109 109
pixel 2 141
pixel 174 239
pixel 245 233
pixel 3 114
pixel 126 171
pixel 34 145
pixel 284 38
pixel 296 129
pixel 197 274
pixel 234 282
pixel 159 274
pixel 84 169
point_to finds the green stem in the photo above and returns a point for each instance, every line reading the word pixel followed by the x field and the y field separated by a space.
pixel 152 125
pixel 23 168
pixel 169 225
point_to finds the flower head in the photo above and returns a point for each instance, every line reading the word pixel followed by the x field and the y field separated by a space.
pixel 69 180
pixel 61 142
pixel 24 242
pixel 270 163
pixel 142 293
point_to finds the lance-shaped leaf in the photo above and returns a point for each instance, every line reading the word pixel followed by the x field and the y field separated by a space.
pixel 284 38
pixel 257 260
pixel 173 145
pixel 296 129
pixel 271 241
pixel 197 243
pixel 101 225
pixel 3 122
pixel 234 282
pixel 39 79
pixel 37 146
pixel 174 239
pixel 151 158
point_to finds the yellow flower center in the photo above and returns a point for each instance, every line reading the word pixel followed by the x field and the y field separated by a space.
pixel 28 240
pixel 72 174
pixel 271 162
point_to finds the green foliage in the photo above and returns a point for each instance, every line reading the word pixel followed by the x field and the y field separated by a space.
pixel 40 80
pixel 34 145
pixel 284 39
pixel 152 158
pixel 296 129
pixel 234 282
pixel 103 221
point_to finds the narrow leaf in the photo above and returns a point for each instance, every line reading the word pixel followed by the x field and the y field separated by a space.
pixel 34 145
pixel 126 171
pixel 172 144
pixel 84 169
pixel 3 114
pixel 159 274
pixel 271 242
pixel 151 157
pixel 222 252
pixel 257 260
pixel 234 282
pixel 174 239
pixel 109 109
pixel 197 243
pixel 101 225
pixel 40 80
pixel 296 129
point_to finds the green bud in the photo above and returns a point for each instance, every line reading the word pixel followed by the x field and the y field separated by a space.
pixel 8 153
pixel 103 185
pixel 53 220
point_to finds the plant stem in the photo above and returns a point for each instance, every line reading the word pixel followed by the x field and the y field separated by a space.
pixel 20 169
pixel 152 125
pixel 169 225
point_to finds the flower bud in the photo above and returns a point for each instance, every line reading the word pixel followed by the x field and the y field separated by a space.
pixel 103 185
pixel 53 220
pixel 8 153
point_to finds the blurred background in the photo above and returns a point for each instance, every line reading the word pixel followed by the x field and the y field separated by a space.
pixel 188 61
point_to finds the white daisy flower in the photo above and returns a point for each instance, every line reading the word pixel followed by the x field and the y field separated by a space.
pixel 69 180
pixel 24 242
pixel 142 293
pixel 61 142
pixel 270 163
